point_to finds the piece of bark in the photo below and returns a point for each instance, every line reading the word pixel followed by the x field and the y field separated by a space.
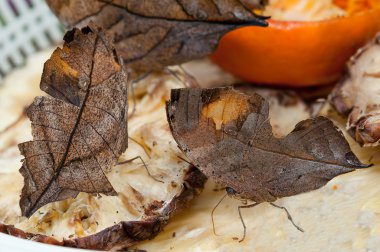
pixel 81 130
pixel 357 96
pixel 152 34
pixel 227 135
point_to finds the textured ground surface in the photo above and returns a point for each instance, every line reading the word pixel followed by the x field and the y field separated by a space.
pixel 342 216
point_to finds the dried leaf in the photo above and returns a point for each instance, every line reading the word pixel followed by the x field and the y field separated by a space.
pixel 152 34
pixel 227 135
pixel 81 130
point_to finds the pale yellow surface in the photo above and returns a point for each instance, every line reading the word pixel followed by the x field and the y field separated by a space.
pixel 303 10
pixel 342 216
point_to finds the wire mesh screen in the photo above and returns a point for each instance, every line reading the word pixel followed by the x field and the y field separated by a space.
pixel 26 26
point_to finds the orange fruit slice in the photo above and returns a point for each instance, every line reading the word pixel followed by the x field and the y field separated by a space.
pixel 300 53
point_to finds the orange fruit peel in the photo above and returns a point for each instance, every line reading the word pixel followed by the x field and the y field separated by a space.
pixel 299 53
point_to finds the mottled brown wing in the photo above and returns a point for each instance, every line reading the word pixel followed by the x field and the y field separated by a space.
pixel 227 134
pixel 79 132
pixel 152 34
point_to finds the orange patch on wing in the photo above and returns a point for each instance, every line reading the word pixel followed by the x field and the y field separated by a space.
pixel 62 65
pixel 66 68
pixel 226 109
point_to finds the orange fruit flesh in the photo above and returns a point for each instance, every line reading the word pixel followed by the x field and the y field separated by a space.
pixel 299 53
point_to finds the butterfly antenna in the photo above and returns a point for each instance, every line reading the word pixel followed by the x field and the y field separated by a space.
pixel 289 216
pixel 186 161
pixel 242 220
pixel 132 85
pixel 146 167
pixel 212 213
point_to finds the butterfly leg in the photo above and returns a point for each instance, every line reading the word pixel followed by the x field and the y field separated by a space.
pixel 146 167
pixel 212 213
pixel 133 101
pixel 188 81
pixel 289 216
pixel 13 124
pixel 241 218
pixel 193 82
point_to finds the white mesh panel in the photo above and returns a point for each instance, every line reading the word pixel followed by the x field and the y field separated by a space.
pixel 25 27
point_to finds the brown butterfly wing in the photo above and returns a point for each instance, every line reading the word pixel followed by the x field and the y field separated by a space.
pixel 320 152
pixel 227 134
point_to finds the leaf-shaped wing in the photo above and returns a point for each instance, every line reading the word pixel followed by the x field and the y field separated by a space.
pixel 151 34
pixel 227 134
pixel 79 132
